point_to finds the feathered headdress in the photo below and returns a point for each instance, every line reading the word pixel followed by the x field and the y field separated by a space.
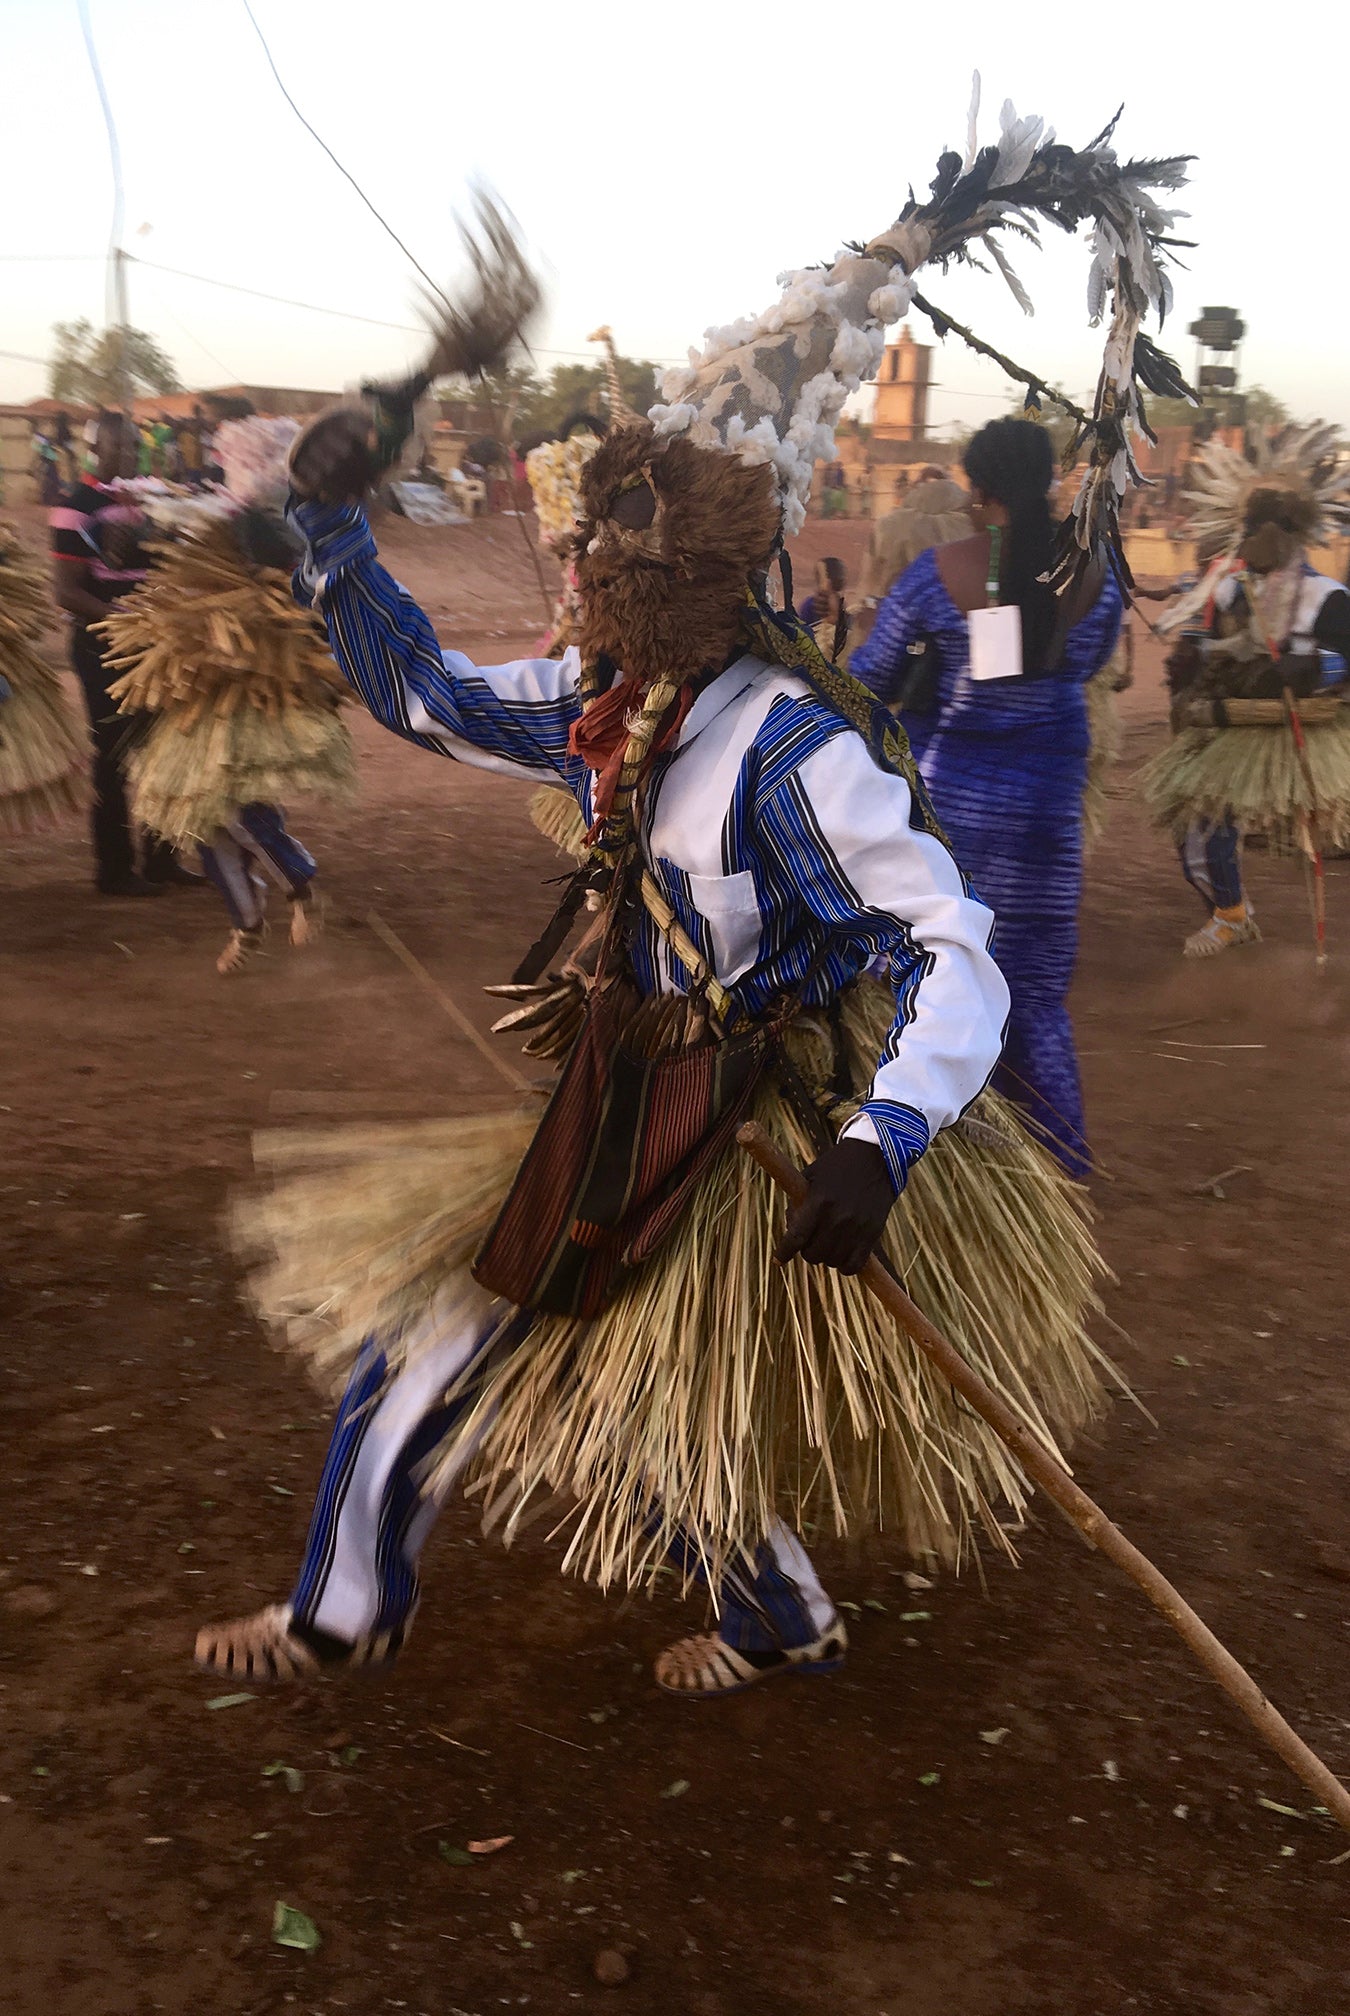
pixel 1296 476
pixel 1300 463
pixel 771 387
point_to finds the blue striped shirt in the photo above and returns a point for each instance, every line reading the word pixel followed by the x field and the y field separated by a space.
pixel 788 856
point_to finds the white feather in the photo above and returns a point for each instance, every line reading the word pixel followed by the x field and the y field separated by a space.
pixel 972 126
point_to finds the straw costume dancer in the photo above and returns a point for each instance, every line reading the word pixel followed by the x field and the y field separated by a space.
pixel 604 1303
pixel 933 512
pixel 98 533
pixel 241 689
pixel 1261 732
pixel 44 749
pixel 1104 733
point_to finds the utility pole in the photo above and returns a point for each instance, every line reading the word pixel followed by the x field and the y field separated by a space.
pixel 116 314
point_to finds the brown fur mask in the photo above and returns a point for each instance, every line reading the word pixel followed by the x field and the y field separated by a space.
pixel 670 534
pixel 1274 527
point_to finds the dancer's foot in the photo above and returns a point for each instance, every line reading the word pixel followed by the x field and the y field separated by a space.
pixel 703 1667
pixel 1224 930
pixel 271 1646
pixel 129 885
pixel 306 914
pixel 173 875
pixel 242 946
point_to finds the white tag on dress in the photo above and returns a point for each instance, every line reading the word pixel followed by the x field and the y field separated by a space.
pixel 996 642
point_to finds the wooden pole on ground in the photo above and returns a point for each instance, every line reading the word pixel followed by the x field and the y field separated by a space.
pixel 1308 825
pixel 515 1079
pixel 1091 1521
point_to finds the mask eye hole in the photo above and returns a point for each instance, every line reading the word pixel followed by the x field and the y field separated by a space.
pixel 634 509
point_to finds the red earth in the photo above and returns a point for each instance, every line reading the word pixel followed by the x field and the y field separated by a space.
pixel 1020 1798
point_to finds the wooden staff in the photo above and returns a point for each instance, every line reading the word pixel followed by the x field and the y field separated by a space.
pixel 1091 1521
pixel 515 1079
pixel 1308 827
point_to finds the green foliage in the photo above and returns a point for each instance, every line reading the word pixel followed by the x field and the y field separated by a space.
pixel 1170 412
pixel 1060 426
pixel 525 402
pixel 92 367
pixel 1264 410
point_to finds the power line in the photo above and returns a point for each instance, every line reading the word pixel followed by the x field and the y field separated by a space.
pixel 115 237
pixel 382 221
pixel 283 300
pixel 231 374
pixel 344 314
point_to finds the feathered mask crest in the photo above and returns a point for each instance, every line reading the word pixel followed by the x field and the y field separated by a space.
pixel 771 387
pixel 1301 463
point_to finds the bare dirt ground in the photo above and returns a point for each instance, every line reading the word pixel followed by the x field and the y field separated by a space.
pixel 1019 1798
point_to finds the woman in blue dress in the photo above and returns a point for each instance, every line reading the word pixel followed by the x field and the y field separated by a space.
pixel 1006 758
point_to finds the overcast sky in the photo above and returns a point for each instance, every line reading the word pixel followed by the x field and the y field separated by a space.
pixel 664 164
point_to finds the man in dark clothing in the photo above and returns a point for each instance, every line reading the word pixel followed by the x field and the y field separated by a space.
pixel 97 557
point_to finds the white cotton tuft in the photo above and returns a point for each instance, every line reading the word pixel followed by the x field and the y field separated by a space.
pixel 853 355
pixel 675 383
pixel 673 419
pixel 753 444
pixel 891 303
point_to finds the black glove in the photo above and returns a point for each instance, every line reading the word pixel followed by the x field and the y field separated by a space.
pixel 336 459
pixel 841 1220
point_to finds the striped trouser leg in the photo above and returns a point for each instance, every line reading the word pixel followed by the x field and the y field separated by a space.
pixel 373 1513
pixel 1211 861
pixel 230 868
pixel 261 828
pixel 773 1600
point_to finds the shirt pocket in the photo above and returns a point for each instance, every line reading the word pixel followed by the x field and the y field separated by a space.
pixel 729 906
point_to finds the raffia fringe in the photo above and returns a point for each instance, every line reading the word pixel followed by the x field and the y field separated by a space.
pixel 1253 777
pixel 188 781
pixel 44 748
pixel 242 685
pixel 1103 749
pixel 718 1389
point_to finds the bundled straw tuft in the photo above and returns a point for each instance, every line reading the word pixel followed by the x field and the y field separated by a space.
pixel 556 814
pixel 1253 777
pixel 243 685
pixel 718 1389
pixel 363 1224
pixel 44 750
pixel 1103 745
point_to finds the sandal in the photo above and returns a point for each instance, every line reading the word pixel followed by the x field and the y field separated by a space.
pixel 270 1646
pixel 242 946
pixel 1220 934
pixel 704 1667
pixel 306 915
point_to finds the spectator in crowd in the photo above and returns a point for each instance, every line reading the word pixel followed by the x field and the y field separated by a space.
pixel 97 557
pixel 932 511
pixel 190 449
pixel 44 467
pixel 161 438
pixel 825 610
pixel 67 467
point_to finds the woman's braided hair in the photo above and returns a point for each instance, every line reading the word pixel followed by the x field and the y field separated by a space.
pixel 1013 462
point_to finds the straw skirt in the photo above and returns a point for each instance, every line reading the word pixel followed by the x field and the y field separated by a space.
pixel 717 1390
